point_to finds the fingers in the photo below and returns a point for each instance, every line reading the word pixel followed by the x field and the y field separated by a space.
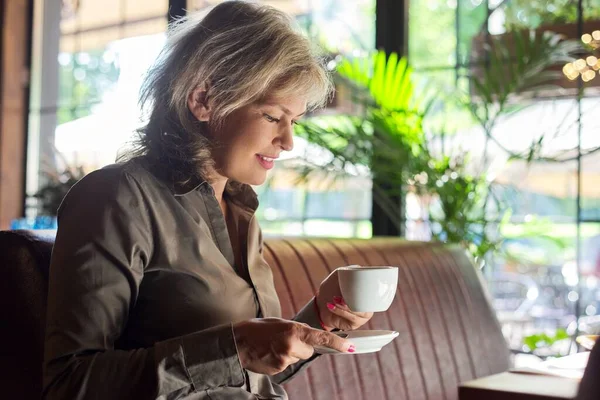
pixel 346 318
pixel 315 337
pixel 301 350
pixel 339 302
pixel 352 316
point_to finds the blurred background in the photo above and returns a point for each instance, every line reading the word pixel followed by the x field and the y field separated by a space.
pixel 474 122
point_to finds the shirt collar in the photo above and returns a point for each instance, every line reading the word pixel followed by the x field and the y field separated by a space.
pixel 240 193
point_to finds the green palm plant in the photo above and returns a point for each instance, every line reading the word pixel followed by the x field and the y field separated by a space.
pixel 388 137
pixel 386 79
pixel 386 134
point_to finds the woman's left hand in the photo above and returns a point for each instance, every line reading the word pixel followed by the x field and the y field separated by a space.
pixel 333 311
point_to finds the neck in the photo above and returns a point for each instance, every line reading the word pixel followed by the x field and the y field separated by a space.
pixel 218 184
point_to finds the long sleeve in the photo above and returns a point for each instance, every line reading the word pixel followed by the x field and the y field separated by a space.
pixel 103 244
pixel 307 315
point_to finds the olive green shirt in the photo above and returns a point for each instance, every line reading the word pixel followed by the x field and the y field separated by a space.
pixel 144 289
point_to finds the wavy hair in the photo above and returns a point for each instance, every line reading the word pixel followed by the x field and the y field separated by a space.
pixel 242 52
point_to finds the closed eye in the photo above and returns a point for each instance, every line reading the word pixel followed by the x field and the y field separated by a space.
pixel 270 118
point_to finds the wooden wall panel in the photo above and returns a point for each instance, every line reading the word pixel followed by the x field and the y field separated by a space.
pixel 13 107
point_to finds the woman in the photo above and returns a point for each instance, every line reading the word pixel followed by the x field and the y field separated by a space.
pixel 158 286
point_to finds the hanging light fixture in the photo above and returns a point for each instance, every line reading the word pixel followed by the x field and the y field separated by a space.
pixel 587 68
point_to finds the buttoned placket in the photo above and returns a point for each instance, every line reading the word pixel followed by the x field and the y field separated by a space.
pixel 219 231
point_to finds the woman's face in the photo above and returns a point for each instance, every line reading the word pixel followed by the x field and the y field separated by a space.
pixel 252 137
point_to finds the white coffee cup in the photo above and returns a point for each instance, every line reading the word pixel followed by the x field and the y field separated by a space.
pixel 368 289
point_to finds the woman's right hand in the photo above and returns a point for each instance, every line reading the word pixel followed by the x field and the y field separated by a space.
pixel 269 345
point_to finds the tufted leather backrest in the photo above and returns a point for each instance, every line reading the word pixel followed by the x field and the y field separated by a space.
pixel 448 331
pixel 24 261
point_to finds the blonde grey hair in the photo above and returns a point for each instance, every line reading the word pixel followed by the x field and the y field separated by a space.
pixel 242 53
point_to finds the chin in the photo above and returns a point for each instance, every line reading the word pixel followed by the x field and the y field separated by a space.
pixel 255 180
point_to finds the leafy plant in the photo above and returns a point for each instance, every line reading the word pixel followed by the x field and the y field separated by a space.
pixel 388 137
pixel 58 183
pixel 385 136
pixel 458 213
pixel 536 341
pixel 519 63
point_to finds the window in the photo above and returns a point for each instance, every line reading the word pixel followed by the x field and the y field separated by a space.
pixel 88 62
pixel 534 278
pixel 316 208
pixel 84 103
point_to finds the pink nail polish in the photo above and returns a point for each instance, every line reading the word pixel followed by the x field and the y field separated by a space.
pixel 338 300
pixel 351 349
pixel 330 306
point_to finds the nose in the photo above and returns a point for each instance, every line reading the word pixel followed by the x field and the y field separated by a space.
pixel 285 138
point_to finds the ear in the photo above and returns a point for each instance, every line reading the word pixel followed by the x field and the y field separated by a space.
pixel 198 103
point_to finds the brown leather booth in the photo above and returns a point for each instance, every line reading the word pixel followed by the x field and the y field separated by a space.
pixel 448 331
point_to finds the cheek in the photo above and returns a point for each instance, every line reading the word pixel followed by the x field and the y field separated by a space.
pixel 243 139
pixel 239 153
pixel 253 141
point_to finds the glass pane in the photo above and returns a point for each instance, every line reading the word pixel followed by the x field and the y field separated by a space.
pixel 535 277
pixel 98 92
pixel 84 16
pixel 104 53
pixel 99 38
pixel 472 28
pixel 147 27
pixel 325 228
pixel 533 284
pixel 280 204
pixel 338 26
pixel 341 27
pixel 141 10
pixel 432 44
pixel 348 204
pixel 590 163
pixel 317 228
pixel 80 16
pixel 104 49
pixel 84 77
pixel 444 88
pixel 282 228
pixel 523 14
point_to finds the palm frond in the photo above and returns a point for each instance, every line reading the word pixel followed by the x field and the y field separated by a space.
pixel 387 81
pixel 521 61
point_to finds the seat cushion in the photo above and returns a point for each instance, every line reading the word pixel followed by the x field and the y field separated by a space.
pixel 448 330
pixel 24 261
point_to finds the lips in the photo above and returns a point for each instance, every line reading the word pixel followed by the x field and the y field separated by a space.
pixel 266 161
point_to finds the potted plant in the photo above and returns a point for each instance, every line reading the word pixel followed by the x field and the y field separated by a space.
pixel 58 181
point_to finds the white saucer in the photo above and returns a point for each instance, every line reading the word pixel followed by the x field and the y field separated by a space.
pixel 364 341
